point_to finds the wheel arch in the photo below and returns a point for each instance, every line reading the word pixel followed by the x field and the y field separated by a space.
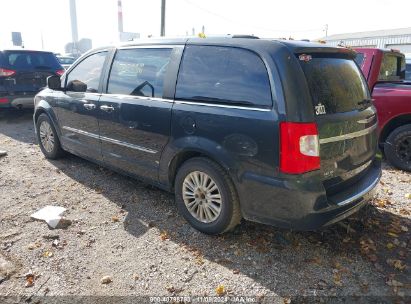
pixel 394 123
pixel 44 107
pixel 172 161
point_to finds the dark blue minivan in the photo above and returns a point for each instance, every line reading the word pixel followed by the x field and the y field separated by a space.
pixel 277 132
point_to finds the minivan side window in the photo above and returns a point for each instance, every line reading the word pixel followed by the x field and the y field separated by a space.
pixel 89 71
pixel 225 75
pixel 139 72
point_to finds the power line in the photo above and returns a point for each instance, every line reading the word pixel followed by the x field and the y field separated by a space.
pixel 250 25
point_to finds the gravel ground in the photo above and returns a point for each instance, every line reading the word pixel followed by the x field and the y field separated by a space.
pixel 131 232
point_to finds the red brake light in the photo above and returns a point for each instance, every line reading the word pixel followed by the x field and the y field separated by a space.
pixel 4 100
pixel 299 147
pixel 6 72
pixel 60 72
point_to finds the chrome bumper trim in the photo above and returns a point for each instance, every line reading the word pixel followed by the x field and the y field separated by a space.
pixel 348 136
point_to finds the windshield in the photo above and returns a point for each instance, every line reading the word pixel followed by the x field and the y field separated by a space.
pixel 392 67
pixel 336 84
pixel 26 60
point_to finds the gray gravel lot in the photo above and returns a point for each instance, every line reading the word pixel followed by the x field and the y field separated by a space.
pixel 132 232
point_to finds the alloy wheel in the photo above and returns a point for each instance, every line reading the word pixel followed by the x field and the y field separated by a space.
pixel 202 197
pixel 46 136
pixel 404 149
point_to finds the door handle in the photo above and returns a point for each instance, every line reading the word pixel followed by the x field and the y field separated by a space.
pixel 89 106
pixel 106 108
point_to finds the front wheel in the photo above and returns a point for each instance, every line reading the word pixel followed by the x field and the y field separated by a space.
pixel 47 138
pixel 397 148
pixel 206 197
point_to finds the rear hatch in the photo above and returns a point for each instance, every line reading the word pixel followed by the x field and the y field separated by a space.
pixel 27 71
pixel 344 114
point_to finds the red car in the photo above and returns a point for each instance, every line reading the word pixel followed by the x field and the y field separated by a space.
pixel 385 73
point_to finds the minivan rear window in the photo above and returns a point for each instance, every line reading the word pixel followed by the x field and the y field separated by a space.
pixel 336 84
pixel 27 60
pixel 224 75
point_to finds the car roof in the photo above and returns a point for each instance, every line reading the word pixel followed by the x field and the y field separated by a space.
pixel 295 46
pixel 24 50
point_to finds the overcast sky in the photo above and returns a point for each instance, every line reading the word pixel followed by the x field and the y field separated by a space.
pixel 97 19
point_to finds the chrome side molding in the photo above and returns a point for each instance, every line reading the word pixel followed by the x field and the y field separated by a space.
pixel 207 104
pixel 111 140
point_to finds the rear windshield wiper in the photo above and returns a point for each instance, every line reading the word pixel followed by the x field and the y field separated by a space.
pixel 43 67
pixel 365 102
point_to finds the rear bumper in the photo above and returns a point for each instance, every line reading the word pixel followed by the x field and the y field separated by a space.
pixel 302 203
pixel 17 101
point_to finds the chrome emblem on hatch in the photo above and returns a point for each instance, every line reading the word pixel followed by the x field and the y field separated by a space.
pixel 320 109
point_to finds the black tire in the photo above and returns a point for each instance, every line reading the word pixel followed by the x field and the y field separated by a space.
pixel 397 148
pixel 56 151
pixel 230 214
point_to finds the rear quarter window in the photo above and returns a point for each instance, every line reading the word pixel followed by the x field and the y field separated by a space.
pixel 224 75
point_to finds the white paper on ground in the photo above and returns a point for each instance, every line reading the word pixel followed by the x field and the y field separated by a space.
pixel 50 214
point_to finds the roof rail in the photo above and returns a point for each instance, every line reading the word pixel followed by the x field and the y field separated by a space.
pixel 245 36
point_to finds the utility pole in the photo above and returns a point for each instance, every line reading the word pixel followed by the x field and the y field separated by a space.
pixel 120 16
pixel 120 20
pixel 74 30
pixel 42 40
pixel 163 18
pixel 73 16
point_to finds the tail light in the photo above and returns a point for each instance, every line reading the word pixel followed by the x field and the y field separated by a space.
pixel 299 147
pixel 4 100
pixel 6 72
pixel 60 72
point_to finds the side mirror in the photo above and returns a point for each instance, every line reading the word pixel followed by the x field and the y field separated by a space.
pixel 54 83
pixel 76 86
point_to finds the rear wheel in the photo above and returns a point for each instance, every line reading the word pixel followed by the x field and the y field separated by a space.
pixel 206 197
pixel 47 138
pixel 397 148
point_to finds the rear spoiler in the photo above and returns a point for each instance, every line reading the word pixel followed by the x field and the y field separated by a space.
pixel 326 50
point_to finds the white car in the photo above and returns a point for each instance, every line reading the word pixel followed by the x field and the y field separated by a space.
pixel 66 61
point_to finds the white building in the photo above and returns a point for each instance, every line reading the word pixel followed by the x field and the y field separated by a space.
pixel 399 39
